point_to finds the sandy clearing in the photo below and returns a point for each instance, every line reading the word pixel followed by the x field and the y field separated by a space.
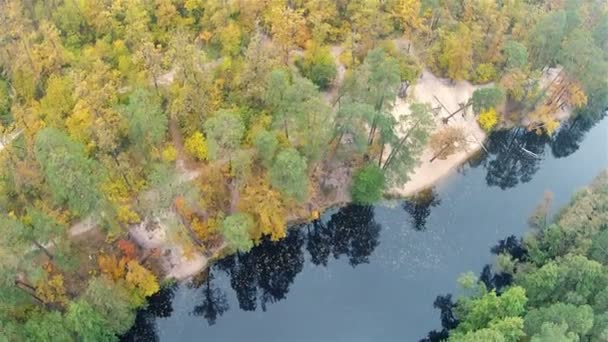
pixel 451 95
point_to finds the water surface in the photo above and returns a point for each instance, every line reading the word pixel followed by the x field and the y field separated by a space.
pixel 372 273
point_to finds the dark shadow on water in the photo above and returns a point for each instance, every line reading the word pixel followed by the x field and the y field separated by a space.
pixel 514 156
pixel 493 280
pixel 265 274
pixel 159 305
pixel 419 207
pixel 213 302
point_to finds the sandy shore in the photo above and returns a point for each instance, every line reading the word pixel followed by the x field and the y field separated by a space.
pixel 451 94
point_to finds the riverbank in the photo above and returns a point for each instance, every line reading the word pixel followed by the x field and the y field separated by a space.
pixel 447 96
pixel 177 256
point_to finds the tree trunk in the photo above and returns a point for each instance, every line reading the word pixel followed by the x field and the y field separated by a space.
pixel 380 157
pixel 439 153
pixel 29 289
pixel 43 249
pixel 285 127
pixel 394 151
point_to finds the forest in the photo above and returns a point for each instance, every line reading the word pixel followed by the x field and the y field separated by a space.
pixel 550 285
pixel 224 121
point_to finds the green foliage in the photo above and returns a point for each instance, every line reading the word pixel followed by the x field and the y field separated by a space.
pixel 147 121
pixel 551 332
pixel 289 174
pixel 71 175
pixel 87 323
pixel 578 319
pixel 5 103
pixel 516 55
pixel 266 145
pixel 368 185
pixel 484 99
pixel 236 229
pixel 224 133
pixel 318 65
pixel 111 301
pixel 50 326
pixel 557 295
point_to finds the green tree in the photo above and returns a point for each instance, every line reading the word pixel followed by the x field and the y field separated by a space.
pixel 406 147
pixel 147 120
pixel 70 174
pixel 48 326
pixel 111 301
pixel 5 103
pixel 224 133
pixel 368 184
pixel 578 319
pixel 266 145
pixel 546 38
pixel 317 64
pixel 236 229
pixel 552 332
pixel 484 99
pixel 289 174
pixel 516 55
pixel 87 323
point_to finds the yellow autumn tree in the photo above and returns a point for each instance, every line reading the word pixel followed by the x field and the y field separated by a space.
pixel 111 266
pixel 408 12
pixel 196 146
pixel 267 208
pixel 52 290
pixel 488 119
pixel 142 280
pixel 288 29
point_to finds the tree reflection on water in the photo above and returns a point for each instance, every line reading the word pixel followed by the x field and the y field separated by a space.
pixel 514 156
pixel 265 274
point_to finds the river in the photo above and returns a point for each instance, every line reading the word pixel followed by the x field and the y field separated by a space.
pixel 373 273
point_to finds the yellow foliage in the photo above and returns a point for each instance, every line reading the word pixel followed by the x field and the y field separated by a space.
pixel 126 215
pixel 169 153
pixel 52 290
pixel 578 98
pixel 214 185
pixel 261 123
pixel 488 119
pixel 196 146
pixel 544 120
pixel 205 230
pixel 267 208
pixel 79 123
pixel 408 12
pixel 485 73
pixel 111 266
pixel 142 279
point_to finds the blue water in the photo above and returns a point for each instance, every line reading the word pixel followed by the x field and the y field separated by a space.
pixel 385 264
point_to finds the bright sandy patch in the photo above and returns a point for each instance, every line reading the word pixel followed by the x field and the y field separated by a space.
pixel 451 95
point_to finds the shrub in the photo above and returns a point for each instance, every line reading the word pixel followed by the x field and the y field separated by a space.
pixel 196 146
pixel 368 185
pixel 485 73
pixel 488 119
pixel 318 65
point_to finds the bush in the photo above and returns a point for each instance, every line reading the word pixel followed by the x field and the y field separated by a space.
pixel 488 119
pixel 196 146
pixel 368 185
pixel 318 65
pixel 484 73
